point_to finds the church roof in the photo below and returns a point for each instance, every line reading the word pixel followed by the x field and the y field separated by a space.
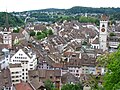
pixel 104 17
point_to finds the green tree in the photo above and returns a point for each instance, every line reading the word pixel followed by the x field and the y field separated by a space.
pixel 16 31
pixel 45 32
pixel 94 82
pixel 84 19
pixel 72 87
pixel 103 60
pixel 13 21
pixel 50 32
pixel 39 37
pixel 49 85
pixel 112 34
pixel 84 43
pixel 38 33
pixel 32 33
pixel 112 63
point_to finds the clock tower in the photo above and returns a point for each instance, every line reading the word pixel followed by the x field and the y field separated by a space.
pixel 103 32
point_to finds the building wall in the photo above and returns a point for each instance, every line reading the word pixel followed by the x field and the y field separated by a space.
pixel 103 35
pixel 16 74
pixel 89 70
pixel 26 62
pixel 7 39
pixel 75 71
pixel 95 46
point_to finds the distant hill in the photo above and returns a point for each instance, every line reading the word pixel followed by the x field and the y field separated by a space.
pixel 54 14
pixel 78 9
pixel 48 10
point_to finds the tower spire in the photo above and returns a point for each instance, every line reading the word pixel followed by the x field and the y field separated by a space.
pixel 6 21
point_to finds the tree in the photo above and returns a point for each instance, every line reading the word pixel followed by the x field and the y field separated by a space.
pixel 50 32
pixel 16 31
pixel 72 87
pixel 103 60
pixel 13 20
pixel 38 33
pixel 84 19
pixel 32 33
pixel 94 82
pixel 45 32
pixel 49 85
pixel 84 43
pixel 112 64
pixel 112 34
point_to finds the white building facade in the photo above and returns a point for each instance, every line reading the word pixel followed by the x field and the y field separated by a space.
pixel 103 33
pixel 28 62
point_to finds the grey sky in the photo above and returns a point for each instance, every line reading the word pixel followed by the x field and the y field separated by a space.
pixel 22 5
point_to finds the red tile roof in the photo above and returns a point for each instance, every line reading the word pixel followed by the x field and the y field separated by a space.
pixel 23 86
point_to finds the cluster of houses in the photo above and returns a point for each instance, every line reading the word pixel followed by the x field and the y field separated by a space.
pixel 68 56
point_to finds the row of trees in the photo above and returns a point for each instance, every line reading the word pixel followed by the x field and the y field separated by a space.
pixel 41 35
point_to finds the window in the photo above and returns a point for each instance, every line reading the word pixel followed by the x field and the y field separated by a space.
pixel 17 80
pixel 77 70
pixel 51 77
pixel 13 76
pixel 77 74
pixel 103 25
pixel 31 64
pixel 12 72
pixel 13 80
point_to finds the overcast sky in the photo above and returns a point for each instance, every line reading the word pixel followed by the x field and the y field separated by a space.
pixel 23 5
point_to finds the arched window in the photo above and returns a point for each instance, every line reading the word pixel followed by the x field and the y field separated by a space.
pixel 103 25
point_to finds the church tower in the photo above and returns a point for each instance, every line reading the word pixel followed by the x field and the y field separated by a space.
pixel 7 37
pixel 103 32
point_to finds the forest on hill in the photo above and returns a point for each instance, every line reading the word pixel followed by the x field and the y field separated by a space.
pixel 13 21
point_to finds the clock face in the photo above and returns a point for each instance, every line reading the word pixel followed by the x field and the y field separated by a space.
pixel 103 30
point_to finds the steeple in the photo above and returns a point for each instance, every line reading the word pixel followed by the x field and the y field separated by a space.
pixel 6 21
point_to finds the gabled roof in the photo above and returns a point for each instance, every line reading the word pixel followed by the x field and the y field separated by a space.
pixel 96 41
pixel 68 78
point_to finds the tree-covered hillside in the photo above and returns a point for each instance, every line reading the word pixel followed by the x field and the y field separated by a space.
pixel 78 9
pixel 12 20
